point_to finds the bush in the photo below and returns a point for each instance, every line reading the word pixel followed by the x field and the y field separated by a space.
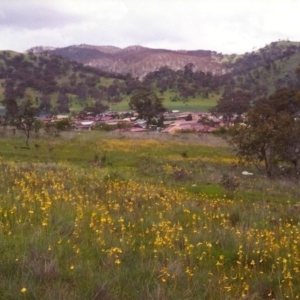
pixel 230 182
pixel 63 125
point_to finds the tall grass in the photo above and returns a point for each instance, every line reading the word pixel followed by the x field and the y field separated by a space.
pixel 146 222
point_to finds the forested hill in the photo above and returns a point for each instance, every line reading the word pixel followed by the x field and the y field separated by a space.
pixel 55 82
pixel 265 70
pixel 61 85
pixel 261 71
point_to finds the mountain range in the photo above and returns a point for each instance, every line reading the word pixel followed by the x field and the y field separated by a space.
pixel 137 60
pixel 79 76
pixel 262 71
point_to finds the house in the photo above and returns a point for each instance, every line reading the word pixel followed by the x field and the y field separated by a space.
pixel 140 123
pixel 84 125
pixel 61 117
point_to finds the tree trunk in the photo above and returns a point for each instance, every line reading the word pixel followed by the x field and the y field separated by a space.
pixel 27 138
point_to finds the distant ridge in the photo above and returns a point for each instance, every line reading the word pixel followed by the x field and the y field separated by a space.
pixel 137 60
pixel 40 49
pixel 261 71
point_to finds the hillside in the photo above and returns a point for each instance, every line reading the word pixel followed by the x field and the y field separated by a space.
pixel 95 78
pixel 137 60
pixel 265 70
pixel 261 71
pixel 59 85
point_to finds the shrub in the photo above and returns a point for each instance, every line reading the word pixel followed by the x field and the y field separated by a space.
pixel 230 182
pixel 64 124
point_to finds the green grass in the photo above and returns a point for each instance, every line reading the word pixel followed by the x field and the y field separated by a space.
pixel 106 81
pixel 95 215
pixel 191 104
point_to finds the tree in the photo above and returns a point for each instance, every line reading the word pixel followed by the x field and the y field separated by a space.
pixel 147 105
pixel 272 134
pixel 26 118
pixel 12 108
pixel 232 103
pixel 63 125
pixel 45 104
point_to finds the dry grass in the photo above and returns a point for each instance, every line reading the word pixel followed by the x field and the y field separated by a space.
pixel 188 138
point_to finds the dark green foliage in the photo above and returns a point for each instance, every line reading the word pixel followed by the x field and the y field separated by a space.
pixel 147 104
pixel 12 108
pixel 52 77
pixel 232 103
pixel 272 134
pixel 26 118
pixel 264 70
pixel 63 125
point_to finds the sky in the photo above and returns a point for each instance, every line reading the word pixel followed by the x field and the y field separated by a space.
pixel 226 26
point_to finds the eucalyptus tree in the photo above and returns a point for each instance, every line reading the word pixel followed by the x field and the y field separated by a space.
pixel 271 136
pixel 147 104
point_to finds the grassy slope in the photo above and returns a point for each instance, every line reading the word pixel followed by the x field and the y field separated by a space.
pixel 191 104
pixel 75 103
pixel 94 215
pixel 284 67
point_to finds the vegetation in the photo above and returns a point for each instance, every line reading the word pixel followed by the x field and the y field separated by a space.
pixel 265 70
pixel 114 216
pixel 272 133
pixel 56 84
pixel 98 215
pixel 62 86
pixel 26 118
pixel 232 104
pixel 147 105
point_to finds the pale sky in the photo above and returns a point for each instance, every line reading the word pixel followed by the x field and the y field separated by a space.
pixel 227 26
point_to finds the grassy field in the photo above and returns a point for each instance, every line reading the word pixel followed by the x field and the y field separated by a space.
pixel 94 215
pixel 191 104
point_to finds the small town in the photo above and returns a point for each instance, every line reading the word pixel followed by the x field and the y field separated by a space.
pixel 173 122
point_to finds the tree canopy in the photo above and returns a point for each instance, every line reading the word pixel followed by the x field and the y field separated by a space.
pixel 147 104
pixel 272 135
pixel 26 118
pixel 232 103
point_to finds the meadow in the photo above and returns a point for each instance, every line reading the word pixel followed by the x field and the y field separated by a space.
pixel 113 215
pixel 192 104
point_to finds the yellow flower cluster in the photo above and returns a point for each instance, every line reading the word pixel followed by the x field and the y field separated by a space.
pixel 179 236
